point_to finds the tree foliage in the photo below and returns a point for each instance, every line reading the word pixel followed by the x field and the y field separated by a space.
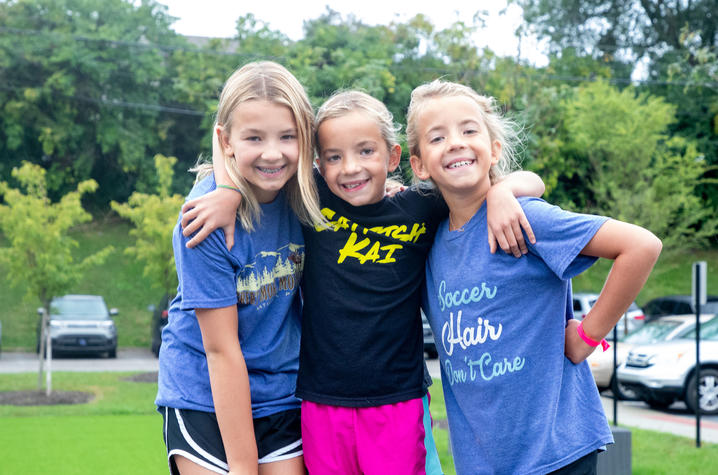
pixel 635 172
pixel 621 29
pixel 85 88
pixel 92 88
pixel 154 217
pixel 40 257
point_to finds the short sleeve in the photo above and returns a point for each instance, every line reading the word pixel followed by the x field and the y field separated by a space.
pixel 561 236
pixel 206 272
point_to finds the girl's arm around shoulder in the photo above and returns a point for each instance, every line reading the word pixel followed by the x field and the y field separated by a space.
pixel 217 209
pixel 229 381
pixel 504 214
pixel 634 251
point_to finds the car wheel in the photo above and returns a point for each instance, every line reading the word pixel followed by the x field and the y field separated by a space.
pixel 621 392
pixel 112 353
pixel 708 390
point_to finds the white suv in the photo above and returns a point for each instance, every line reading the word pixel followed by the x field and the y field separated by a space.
pixel 664 372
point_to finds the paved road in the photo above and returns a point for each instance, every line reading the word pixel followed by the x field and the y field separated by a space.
pixel 675 420
pixel 130 359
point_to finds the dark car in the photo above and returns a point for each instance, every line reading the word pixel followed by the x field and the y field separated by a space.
pixel 81 324
pixel 429 342
pixel 677 305
pixel 159 320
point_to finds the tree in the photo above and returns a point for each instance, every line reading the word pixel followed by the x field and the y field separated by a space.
pixel 635 171
pixel 154 217
pixel 39 257
pixel 86 90
pixel 621 30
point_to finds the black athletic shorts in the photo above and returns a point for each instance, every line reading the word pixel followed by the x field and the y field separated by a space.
pixel 195 435
pixel 586 465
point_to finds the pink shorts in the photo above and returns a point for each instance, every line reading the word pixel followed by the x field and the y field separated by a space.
pixel 364 440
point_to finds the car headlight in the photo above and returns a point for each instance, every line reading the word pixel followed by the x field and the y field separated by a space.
pixel 56 324
pixel 107 324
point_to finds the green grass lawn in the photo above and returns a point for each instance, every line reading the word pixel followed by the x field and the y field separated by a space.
pixel 79 445
pixel 119 432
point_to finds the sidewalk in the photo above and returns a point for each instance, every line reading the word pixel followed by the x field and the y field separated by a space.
pixel 675 420
pixel 129 359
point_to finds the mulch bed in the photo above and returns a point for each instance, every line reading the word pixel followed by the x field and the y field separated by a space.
pixel 150 377
pixel 38 398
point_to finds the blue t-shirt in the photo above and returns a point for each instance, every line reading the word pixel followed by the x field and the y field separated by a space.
pixel 515 403
pixel 261 276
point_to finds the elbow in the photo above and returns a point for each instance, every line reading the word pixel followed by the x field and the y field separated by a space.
pixel 652 246
pixel 222 352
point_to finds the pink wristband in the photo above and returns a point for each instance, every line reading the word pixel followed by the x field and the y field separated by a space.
pixel 590 342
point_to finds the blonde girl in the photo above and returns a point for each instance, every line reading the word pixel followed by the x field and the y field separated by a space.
pixel 230 353
pixel 515 403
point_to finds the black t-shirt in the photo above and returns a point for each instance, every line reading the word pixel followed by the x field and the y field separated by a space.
pixel 362 342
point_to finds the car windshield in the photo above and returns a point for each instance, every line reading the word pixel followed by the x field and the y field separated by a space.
pixel 86 309
pixel 709 331
pixel 650 333
pixel 710 307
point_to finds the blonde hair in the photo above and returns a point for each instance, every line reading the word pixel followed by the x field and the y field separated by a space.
pixel 500 128
pixel 342 103
pixel 269 81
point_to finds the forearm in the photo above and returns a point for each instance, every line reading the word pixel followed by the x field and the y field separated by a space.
pixel 523 183
pixel 629 273
pixel 232 401
pixel 229 381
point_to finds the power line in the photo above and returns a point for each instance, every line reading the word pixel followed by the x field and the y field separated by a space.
pixel 119 103
pixel 134 44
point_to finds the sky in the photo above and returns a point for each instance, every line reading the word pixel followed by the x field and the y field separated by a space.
pixel 217 18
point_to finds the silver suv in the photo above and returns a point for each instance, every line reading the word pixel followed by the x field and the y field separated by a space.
pixel 664 372
pixel 81 324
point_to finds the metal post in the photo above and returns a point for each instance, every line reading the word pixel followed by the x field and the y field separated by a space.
pixel 615 376
pixel 48 360
pixel 697 302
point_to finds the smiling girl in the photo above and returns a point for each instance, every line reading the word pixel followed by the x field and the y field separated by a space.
pixel 514 402
pixel 230 352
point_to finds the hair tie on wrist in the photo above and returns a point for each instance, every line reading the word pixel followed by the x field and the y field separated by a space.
pixel 230 188
pixel 589 341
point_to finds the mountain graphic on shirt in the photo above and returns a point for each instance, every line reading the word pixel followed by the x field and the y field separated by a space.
pixel 269 267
